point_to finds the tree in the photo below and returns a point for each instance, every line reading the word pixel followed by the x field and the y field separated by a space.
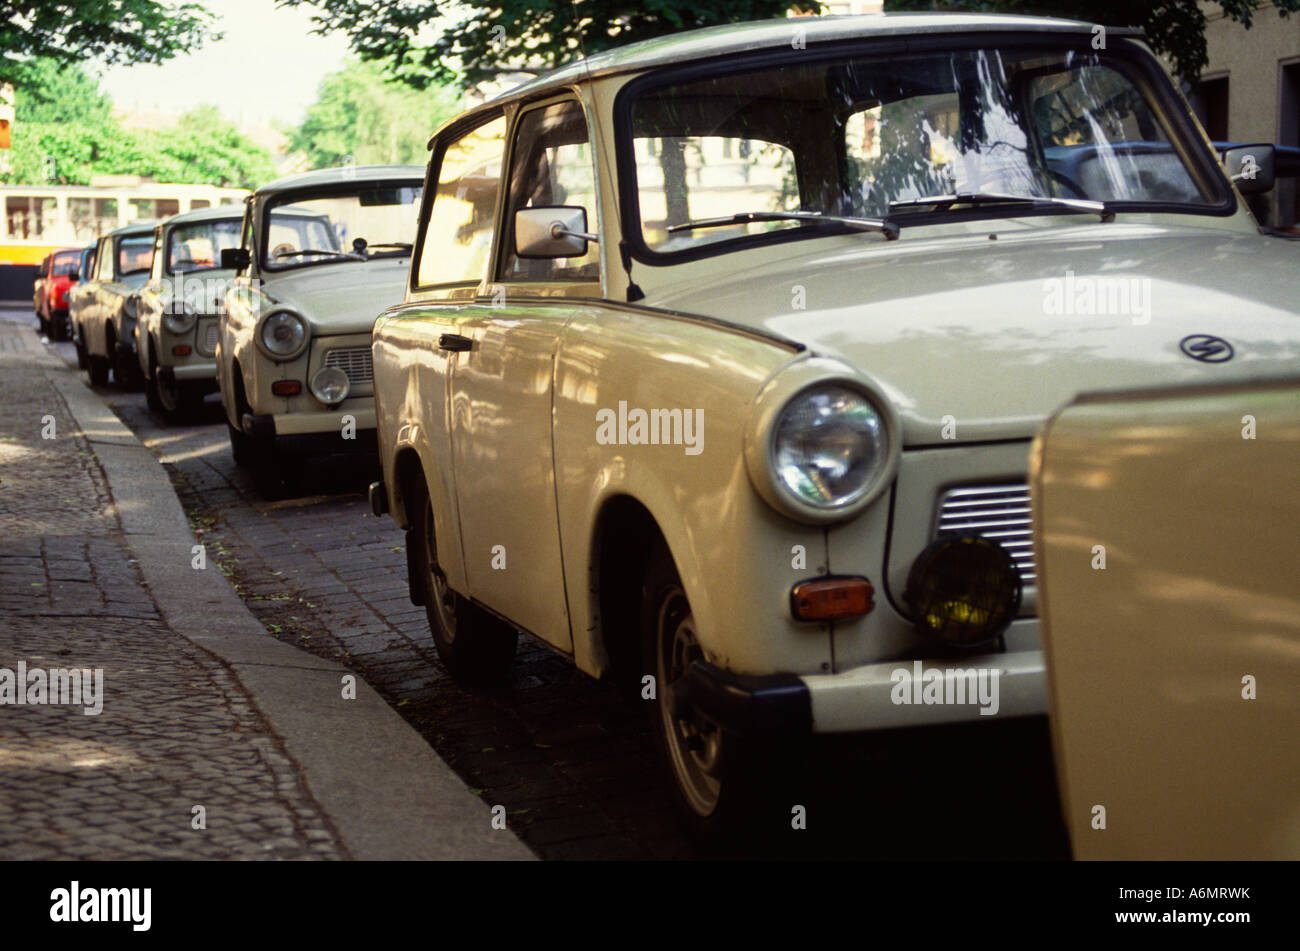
pixel 497 36
pixel 363 115
pixel 62 115
pixel 112 31
pixel 1174 28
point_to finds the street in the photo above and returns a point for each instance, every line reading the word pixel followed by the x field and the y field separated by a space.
pixel 574 765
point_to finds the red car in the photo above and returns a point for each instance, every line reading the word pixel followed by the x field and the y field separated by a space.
pixel 58 272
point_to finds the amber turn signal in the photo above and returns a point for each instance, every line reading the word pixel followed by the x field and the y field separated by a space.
pixel 181 350
pixel 286 387
pixel 831 599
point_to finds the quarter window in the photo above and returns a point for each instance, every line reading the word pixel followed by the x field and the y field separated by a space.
pixel 458 236
pixel 551 165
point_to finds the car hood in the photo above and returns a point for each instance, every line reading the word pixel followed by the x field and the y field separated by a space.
pixel 998 334
pixel 344 297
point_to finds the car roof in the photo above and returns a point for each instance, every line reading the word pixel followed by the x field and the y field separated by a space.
pixel 730 38
pixel 333 176
pixel 135 227
pixel 214 212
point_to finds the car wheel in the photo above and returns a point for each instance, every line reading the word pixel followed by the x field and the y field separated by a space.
pixel 59 324
pixel 239 446
pixel 474 646
pixel 83 358
pixel 725 786
pixel 97 368
pixel 173 401
pixel 126 370
pixel 276 474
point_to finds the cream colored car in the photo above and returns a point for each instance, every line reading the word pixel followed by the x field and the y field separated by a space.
pixel 721 357
pixel 321 254
pixel 180 308
pixel 1170 584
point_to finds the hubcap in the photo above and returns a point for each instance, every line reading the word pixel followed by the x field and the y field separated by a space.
pixel 694 744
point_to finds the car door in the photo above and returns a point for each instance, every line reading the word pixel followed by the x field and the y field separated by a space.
pixel 501 386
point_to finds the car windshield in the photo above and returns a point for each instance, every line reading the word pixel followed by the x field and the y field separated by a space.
pixel 198 245
pixel 328 226
pixel 134 254
pixel 872 136
pixel 66 264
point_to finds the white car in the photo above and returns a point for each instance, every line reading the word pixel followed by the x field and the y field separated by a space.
pixel 103 308
pixel 180 307
pixel 722 354
pixel 321 254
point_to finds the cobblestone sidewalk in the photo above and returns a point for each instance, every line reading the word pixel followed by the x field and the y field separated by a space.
pixel 175 731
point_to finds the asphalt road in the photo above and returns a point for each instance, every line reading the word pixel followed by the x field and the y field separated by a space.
pixel 575 766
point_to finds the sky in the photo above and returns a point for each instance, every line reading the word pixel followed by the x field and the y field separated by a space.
pixel 267 67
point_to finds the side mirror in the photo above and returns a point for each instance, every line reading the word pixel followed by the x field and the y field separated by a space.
pixel 558 231
pixel 235 259
pixel 1250 167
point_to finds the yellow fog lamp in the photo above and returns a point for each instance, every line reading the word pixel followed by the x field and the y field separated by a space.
pixel 964 590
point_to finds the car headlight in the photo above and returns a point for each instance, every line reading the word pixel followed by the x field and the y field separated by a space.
pixel 820 449
pixel 179 320
pixel 282 335
pixel 130 305
pixel 330 385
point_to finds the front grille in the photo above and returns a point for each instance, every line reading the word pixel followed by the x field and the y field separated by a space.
pixel 208 339
pixel 354 361
pixel 999 513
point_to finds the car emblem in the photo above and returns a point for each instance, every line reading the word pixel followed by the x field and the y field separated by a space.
pixel 1206 348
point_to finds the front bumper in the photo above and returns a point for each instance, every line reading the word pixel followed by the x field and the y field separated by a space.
pixel 870 697
pixel 315 433
pixel 187 374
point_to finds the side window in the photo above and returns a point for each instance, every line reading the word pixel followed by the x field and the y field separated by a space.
pixel 458 236
pixel 105 270
pixel 551 165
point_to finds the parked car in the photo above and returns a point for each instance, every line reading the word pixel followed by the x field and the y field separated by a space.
pixel 721 355
pixel 105 310
pixel 58 272
pixel 321 254
pixel 180 308
pixel 85 270
pixel 1165 527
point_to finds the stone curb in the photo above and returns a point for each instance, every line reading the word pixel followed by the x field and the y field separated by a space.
pixel 385 791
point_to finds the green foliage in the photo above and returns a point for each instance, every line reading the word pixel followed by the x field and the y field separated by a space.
pixel 112 31
pixel 497 36
pixel 62 114
pixel 1174 28
pixel 362 114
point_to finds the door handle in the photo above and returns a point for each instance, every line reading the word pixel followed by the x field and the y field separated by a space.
pixel 454 342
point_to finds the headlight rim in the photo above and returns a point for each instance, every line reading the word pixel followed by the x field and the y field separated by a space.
pixel 267 351
pixel 347 386
pixel 187 313
pixel 760 440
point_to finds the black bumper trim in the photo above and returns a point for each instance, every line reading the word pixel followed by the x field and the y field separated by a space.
pixel 775 704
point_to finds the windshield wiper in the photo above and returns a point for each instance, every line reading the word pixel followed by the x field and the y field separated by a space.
pixel 1083 205
pixel 882 225
pixel 338 254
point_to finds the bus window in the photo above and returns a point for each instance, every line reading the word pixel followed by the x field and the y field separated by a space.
pixel 28 216
pixel 145 208
pixel 200 203
pixel 92 217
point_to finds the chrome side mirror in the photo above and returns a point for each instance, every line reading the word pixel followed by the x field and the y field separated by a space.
pixel 559 231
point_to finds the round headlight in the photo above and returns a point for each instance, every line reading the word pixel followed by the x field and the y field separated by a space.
pixel 283 334
pixel 964 590
pixel 179 318
pixel 330 385
pixel 829 445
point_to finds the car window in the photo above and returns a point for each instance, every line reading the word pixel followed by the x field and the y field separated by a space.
pixel 104 269
pixel 134 254
pixel 458 238
pixel 65 264
pixel 197 246
pixel 551 164
pixel 327 225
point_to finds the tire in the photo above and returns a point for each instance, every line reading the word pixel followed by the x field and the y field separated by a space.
pixel 126 370
pixel 276 475
pixel 83 358
pixel 239 447
pixel 474 646
pixel 174 403
pixel 728 789
pixel 97 368
pixel 60 324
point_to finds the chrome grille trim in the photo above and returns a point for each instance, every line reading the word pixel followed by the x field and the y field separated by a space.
pixel 354 361
pixel 1000 513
